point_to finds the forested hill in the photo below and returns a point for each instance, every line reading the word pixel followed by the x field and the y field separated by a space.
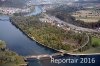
pixel 13 3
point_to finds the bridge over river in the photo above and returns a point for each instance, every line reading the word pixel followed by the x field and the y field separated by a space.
pixel 43 56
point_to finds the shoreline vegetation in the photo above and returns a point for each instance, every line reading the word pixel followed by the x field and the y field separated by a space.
pixel 20 24
pixel 31 38
pixel 8 57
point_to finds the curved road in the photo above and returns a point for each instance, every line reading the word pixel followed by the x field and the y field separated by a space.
pixel 70 25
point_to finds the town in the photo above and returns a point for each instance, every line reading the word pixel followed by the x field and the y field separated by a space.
pixel 12 10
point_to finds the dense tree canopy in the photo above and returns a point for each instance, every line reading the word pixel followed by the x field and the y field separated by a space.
pixel 49 35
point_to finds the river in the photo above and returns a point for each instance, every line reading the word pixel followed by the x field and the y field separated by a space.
pixel 37 10
pixel 18 42
pixel 21 44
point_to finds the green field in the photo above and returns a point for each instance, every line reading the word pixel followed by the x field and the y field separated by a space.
pixel 96 40
pixel 96 46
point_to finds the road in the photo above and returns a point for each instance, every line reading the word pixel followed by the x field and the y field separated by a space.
pixel 70 25
pixel 51 19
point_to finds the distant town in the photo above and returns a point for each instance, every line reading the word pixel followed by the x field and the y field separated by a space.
pixel 11 10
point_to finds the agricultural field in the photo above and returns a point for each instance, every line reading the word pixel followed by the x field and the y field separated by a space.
pixel 87 15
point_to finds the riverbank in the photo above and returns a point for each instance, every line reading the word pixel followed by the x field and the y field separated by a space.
pixel 8 57
pixel 57 43
pixel 32 38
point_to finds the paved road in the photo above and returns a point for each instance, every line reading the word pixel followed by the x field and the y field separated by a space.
pixel 70 25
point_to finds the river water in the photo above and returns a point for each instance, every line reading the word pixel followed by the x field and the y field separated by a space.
pixel 37 10
pixel 20 43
